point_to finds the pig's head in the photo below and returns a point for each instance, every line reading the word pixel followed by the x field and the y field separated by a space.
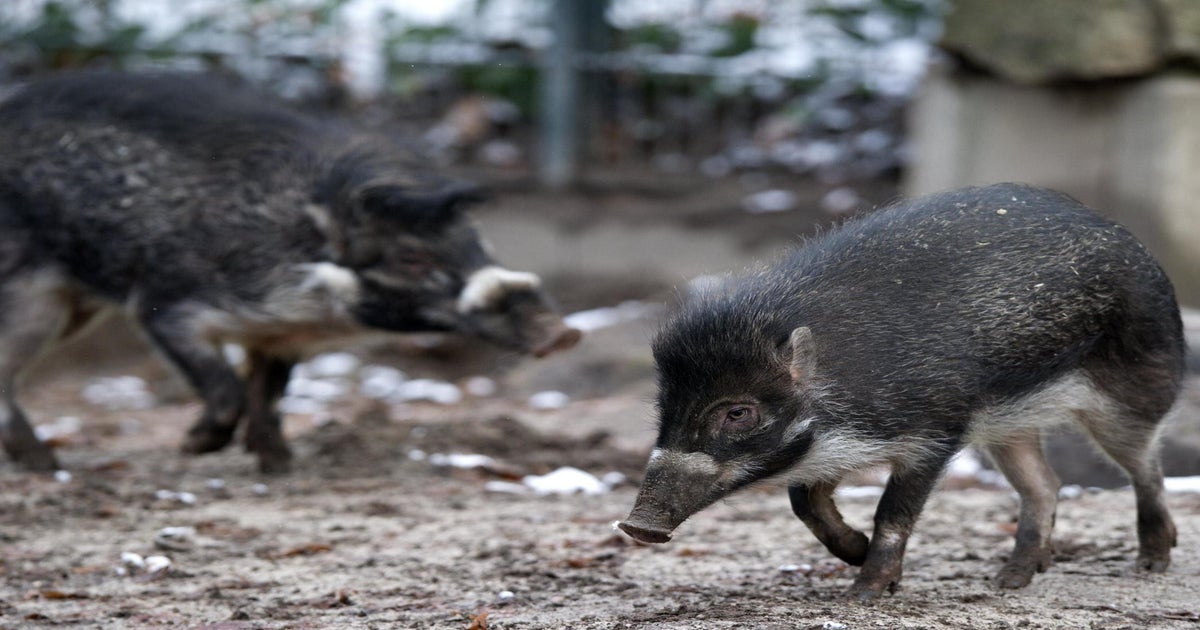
pixel 736 406
pixel 418 264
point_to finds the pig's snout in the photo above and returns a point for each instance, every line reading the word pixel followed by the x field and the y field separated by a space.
pixel 559 337
pixel 677 486
pixel 643 532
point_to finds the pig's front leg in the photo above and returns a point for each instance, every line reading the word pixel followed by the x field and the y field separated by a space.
pixel 266 382
pixel 175 332
pixel 901 504
pixel 814 505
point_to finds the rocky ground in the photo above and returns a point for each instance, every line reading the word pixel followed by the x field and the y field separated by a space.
pixel 386 523
pixel 375 530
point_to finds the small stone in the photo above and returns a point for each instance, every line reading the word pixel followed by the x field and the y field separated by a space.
pixel 549 400
pixel 157 564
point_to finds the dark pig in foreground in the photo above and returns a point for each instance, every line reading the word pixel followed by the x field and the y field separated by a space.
pixel 980 316
pixel 210 216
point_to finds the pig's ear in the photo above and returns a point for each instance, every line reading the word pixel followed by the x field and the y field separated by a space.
pixel 418 208
pixel 804 354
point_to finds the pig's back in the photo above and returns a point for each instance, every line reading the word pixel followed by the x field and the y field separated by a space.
pixel 128 176
pixel 962 300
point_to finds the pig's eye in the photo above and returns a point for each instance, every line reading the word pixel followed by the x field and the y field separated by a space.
pixel 741 417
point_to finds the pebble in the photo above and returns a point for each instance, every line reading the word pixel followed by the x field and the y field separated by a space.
pixel 549 400
pixel 157 564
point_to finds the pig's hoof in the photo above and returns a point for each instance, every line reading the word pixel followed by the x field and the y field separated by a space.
pixel 39 458
pixel 275 462
pixel 870 590
pixel 1154 564
pixel 1018 571
pixel 1011 577
pixel 206 439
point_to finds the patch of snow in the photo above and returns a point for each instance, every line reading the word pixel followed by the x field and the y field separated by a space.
pixel 565 480
pixel 215 484
pixel 333 364
pixel 316 389
pixel 417 455
pixel 965 464
pixel 612 478
pixel 461 460
pixel 186 498
pixel 840 200
pixel 157 564
pixel 260 489
pixel 302 406
pixel 118 392
pixel 480 386
pixel 440 392
pixel 716 166
pixel 505 487
pixel 505 595
pixel 795 568
pixel 1070 491
pixel 379 381
pixel 132 560
pixel 62 426
pixel 768 201
pixel 549 400
pixel 1182 484
pixel 62 476
pixel 597 318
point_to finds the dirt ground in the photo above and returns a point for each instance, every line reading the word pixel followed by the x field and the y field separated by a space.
pixel 362 535
pixel 367 533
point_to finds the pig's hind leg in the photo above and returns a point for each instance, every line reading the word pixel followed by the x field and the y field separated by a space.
pixel 266 382
pixel 814 506
pixel 1023 463
pixel 1131 440
pixel 176 332
pixel 34 312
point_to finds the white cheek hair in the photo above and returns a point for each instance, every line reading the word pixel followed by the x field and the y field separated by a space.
pixel 336 279
pixel 796 429
pixel 487 285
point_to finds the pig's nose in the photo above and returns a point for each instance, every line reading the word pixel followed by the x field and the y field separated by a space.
pixel 561 338
pixel 645 533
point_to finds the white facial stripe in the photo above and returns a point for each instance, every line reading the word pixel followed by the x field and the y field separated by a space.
pixel 336 279
pixel 487 285
pixel 797 429
pixel 686 463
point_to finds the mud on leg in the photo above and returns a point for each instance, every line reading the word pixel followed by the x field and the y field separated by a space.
pixel 223 392
pixel 266 382
pixel 1023 463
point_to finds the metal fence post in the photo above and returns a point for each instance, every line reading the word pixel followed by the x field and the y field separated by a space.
pixel 560 126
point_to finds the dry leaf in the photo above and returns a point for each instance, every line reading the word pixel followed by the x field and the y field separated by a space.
pixel 479 622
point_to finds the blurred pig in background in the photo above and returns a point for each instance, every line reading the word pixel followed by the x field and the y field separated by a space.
pixel 213 216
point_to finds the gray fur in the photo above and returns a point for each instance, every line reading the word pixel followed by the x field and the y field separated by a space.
pixel 212 215
pixel 981 314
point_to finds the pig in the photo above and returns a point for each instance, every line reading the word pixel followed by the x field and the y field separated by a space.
pixel 212 215
pixel 981 316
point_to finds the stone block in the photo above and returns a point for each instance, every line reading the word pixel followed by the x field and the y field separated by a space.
pixel 1129 149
